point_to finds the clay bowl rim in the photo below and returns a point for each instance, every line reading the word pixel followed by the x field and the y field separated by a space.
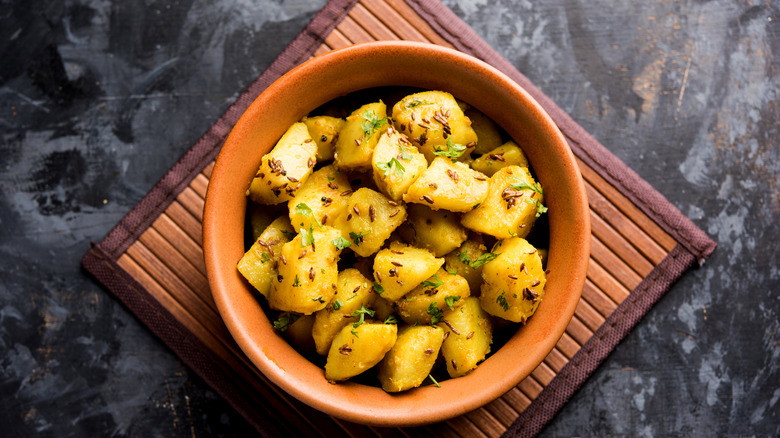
pixel 322 79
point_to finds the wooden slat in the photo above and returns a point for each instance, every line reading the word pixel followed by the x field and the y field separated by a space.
pixel 578 331
pixel 183 242
pixel 599 300
pixel 567 345
pixel 186 221
pixel 502 411
pixel 193 202
pixel 200 184
pixel 417 22
pixel 619 245
pixel 604 280
pixel 530 388
pixel 486 422
pixel 515 398
pixel 337 40
pixel 393 19
pixel 464 427
pixel 371 24
pixel 323 49
pixel 556 360
pixel 353 31
pixel 589 316
pixel 543 374
pixel 623 204
pixel 619 269
pixel 208 169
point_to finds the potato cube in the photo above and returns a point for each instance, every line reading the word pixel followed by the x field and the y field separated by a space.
pixel 467 261
pixel 356 349
pixel 353 291
pixel 359 136
pixel 396 163
pixel 426 303
pixel 258 265
pixel 508 154
pixel 514 281
pixel 448 185
pixel 437 230
pixel 299 333
pixel 469 335
pixel 321 198
pixel 488 133
pixel 400 268
pixel 283 170
pixel 511 206
pixel 308 272
pixel 325 132
pixel 411 359
pixel 432 119
pixel 368 220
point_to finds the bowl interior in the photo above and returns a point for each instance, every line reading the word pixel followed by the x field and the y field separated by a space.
pixel 361 67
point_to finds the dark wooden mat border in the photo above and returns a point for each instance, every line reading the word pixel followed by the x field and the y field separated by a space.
pixel 101 260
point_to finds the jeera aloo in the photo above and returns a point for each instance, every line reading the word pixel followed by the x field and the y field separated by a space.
pixel 393 273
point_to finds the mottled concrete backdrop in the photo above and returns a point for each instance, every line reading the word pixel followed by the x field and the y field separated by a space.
pixel 98 98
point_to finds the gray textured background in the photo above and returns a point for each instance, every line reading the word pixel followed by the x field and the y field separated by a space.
pixel 99 98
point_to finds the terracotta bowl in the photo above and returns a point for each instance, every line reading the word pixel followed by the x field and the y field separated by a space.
pixel 360 67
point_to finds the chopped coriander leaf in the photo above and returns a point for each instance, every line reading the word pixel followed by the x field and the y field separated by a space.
pixel 452 271
pixel 297 282
pixel 484 258
pixel 404 152
pixel 501 300
pixel 454 150
pixel 284 321
pixel 337 304
pixel 264 258
pixel 432 284
pixel 358 238
pixel 435 312
pixel 288 234
pixel 371 123
pixel 330 178
pixel 378 288
pixel 307 237
pixel 305 211
pixel 523 185
pixel 393 165
pixel 417 102
pixel 539 207
pixel 430 376
pixel 341 243
pixel 319 299
pixel 361 313
pixel 391 320
pixel 451 300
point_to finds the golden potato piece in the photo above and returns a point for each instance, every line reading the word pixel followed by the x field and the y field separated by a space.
pixel 299 333
pixel 431 119
pixel 319 201
pixel 514 281
pixel 448 185
pixel 467 261
pixel 437 230
pixel 488 134
pixel 411 359
pixel 307 276
pixel 325 132
pixel 368 219
pixel 512 204
pixel 359 136
pixel 353 291
pixel 258 265
pixel 396 163
pixel 426 303
pixel 356 349
pixel 508 154
pixel 400 268
pixel 469 335
pixel 283 170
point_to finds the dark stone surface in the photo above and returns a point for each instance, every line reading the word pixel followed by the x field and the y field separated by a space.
pixel 686 93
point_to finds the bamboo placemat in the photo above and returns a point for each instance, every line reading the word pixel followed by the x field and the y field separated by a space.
pixel 153 260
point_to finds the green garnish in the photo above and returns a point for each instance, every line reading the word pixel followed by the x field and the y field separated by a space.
pixel 341 243
pixel 501 300
pixel 264 258
pixel 432 284
pixel 371 123
pixel 451 300
pixel 378 288
pixel 305 211
pixel 404 152
pixel 319 299
pixel 435 312
pixel 361 314
pixel 391 320
pixel 393 165
pixel 307 237
pixel 523 185
pixel 284 321
pixel 430 376
pixel 481 260
pixel 417 102
pixel 358 238
pixel 337 304
pixel 297 282
pixel 454 150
